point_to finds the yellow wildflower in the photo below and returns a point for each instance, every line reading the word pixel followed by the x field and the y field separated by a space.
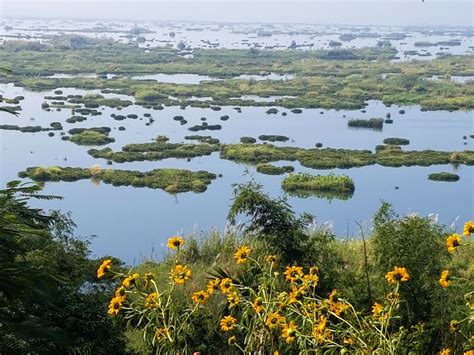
pixel 180 274
pixel 213 286
pixel 120 292
pixel 453 326
pixel 320 327
pixel 162 333
pixel 453 241
pixel 226 285
pixel 338 307
pixel 331 296
pixel 148 277
pixel 152 300
pixel 311 279
pixel 175 242
pixel 377 308
pixel 272 259
pixel 293 273
pixel 399 274
pixel 130 280
pixel 274 320
pixel 468 228
pixel 445 351
pixel 289 331
pixel 228 323
pixel 115 305
pixel 232 340
pixel 258 304
pixel 296 294
pixel 348 341
pixel 444 280
pixel 233 299
pixel 200 297
pixel 242 254
pixel 103 268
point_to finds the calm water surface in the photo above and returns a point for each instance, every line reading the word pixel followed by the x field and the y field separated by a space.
pixel 133 223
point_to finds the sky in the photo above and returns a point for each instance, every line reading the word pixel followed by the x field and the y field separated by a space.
pixel 350 12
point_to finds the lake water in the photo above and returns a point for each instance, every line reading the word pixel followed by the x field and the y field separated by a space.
pixel 133 223
pixel 244 36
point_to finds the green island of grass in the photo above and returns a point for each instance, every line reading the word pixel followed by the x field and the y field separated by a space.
pixel 316 158
pixel 443 176
pixel 170 180
pixel 273 138
pixel 90 137
pixel 155 151
pixel 331 185
pixel 269 169
pixel 396 141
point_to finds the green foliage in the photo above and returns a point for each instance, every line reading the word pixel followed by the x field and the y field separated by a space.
pixel 43 305
pixel 415 243
pixel 272 220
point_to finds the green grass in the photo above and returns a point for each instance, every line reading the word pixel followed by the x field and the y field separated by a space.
pixel 269 169
pixel 307 182
pixel 90 137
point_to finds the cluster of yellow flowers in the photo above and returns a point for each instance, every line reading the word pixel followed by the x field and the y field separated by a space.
pixel 297 313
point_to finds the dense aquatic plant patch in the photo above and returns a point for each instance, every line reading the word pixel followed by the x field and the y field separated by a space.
pixel 55 126
pixel 396 141
pixel 155 151
pixel 90 137
pixel 317 82
pixel 203 139
pixel 316 158
pixel 373 123
pixel 328 183
pixel 273 138
pixel 248 140
pixel 443 176
pixel 269 169
pixel 170 180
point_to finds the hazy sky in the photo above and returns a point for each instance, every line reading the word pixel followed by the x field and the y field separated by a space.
pixel 381 12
